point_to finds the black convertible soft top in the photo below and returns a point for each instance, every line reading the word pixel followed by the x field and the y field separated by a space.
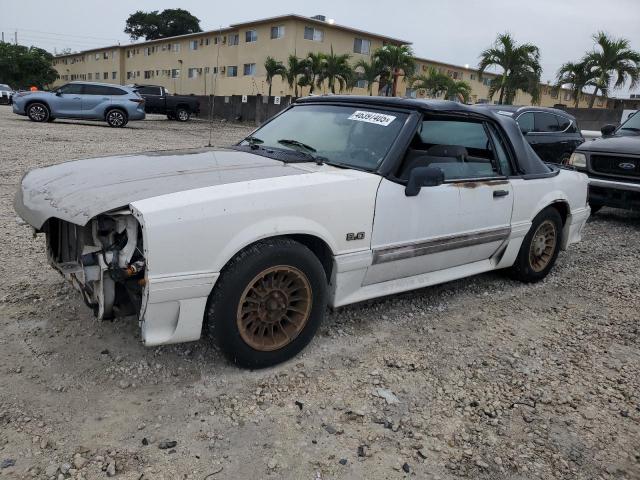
pixel 529 164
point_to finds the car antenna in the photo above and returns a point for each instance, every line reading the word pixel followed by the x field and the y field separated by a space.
pixel 212 101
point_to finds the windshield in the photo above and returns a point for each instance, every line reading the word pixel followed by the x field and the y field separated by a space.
pixel 358 137
pixel 5 88
pixel 631 126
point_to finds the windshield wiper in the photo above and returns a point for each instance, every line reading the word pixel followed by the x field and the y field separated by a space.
pixel 253 141
pixel 304 148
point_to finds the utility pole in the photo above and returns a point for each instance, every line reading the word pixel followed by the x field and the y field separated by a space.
pixel 2 37
pixel 15 37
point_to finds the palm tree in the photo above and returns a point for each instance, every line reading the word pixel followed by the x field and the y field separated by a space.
pixel 369 71
pixel 434 82
pixel 458 90
pixel 396 60
pixel 274 68
pixel 577 76
pixel 313 67
pixel 614 57
pixel 335 68
pixel 520 65
pixel 295 68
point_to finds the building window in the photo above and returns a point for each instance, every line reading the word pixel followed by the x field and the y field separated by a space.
pixel 97 56
pixel 193 45
pixel 105 55
pixel 91 76
pixel 105 75
pixel 129 75
pixel 567 96
pixel 176 47
pixel 207 41
pixel 232 71
pixel 215 70
pixel 411 93
pixel 362 83
pixel 175 73
pixel 234 39
pixel 472 76
pixel 277 32
pixel 486 81
pixel 554 93
pixel 114 75
pixel 361 45
pixel 97 77
pixel 148 74
pixel 315 34
pixel 250 36
pixel 249 69
pixel 192 72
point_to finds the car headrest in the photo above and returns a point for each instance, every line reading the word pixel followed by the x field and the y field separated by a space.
pixel 455 151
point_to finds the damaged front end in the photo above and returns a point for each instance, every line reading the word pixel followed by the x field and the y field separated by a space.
pixel 103 260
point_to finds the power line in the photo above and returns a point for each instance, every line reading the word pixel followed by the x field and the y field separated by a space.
pixel 63 34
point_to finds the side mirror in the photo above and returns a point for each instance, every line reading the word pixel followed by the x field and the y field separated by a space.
pixel 608 129
pixel 58 93
pixel 423 177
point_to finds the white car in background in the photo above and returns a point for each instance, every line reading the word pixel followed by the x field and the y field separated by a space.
pixel 337 200
pixel 6 94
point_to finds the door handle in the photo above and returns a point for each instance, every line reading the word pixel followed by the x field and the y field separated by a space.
pixel 500 193
pixel 76 98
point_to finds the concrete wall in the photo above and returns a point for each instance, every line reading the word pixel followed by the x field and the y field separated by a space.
pixel 256 109
pixel 595 118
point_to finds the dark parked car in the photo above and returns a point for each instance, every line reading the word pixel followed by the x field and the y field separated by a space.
pixel 613 165
pixel 553 134
pixel 175 107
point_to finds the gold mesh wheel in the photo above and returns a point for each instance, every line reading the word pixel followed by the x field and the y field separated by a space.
pixel 274 308
pixel 543 246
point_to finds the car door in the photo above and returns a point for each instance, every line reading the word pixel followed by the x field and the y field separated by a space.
pixel 545 137
pixel 67 101
pixel 463 221
pixel 154 99
pixel 95 99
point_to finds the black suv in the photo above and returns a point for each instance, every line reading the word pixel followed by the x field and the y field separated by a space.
pixel 552 133
pixel 613 165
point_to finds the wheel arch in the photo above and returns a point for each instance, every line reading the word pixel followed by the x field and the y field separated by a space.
pixel 114 107
pixel 318 246
pixel 563 208
pixel 37 100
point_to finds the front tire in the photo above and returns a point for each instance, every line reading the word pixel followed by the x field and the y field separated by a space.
pixel 116 118
pixel 268 303
pixel 540 247
pixel 38 112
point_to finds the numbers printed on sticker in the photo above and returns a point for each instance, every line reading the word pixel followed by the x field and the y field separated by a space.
pixel 355 236
pixel 372 117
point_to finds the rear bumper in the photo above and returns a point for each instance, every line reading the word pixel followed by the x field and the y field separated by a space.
pixel 137 115
pixel 611 193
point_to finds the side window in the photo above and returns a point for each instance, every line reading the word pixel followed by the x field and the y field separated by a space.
pixel 461 149
pixel 150 91
pixel 545 123
pixel 526 122
pixel 102 90
pixel 71 89
pixel 564 123
pixel 500 151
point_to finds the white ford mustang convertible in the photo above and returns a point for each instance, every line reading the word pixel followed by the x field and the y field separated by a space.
pixel 336 200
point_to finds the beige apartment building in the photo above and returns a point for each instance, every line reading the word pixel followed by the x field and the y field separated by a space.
pixel 230 61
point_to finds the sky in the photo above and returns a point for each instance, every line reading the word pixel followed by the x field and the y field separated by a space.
pixel 453 31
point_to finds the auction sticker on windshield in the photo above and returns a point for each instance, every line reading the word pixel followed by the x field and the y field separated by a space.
pixel 372 117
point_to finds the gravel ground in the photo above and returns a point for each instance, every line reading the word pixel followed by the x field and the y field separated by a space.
pixel 479 378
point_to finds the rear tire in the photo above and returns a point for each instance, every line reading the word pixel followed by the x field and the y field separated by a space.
pixel 116 118
pixel 38 112
pixel 268 303
pixel 595 209
pixel 182 114
pixel 540 247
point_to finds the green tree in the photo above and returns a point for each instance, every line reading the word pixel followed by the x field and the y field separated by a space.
pixel 274 68
pixel 577 76
pixel 335 69
pixel 520 65
pixel 312 68
pixel 396 61
pixel 458 90
pixel 611 58
pixel 23 67
pixel 295 68
pixel 168 23
pixel 433 82
pixel 369 71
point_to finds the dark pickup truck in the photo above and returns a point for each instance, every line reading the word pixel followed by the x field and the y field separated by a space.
pixel 175 107
pixel 613 166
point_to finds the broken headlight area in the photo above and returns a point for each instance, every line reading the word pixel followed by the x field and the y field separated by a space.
pixel 103 260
